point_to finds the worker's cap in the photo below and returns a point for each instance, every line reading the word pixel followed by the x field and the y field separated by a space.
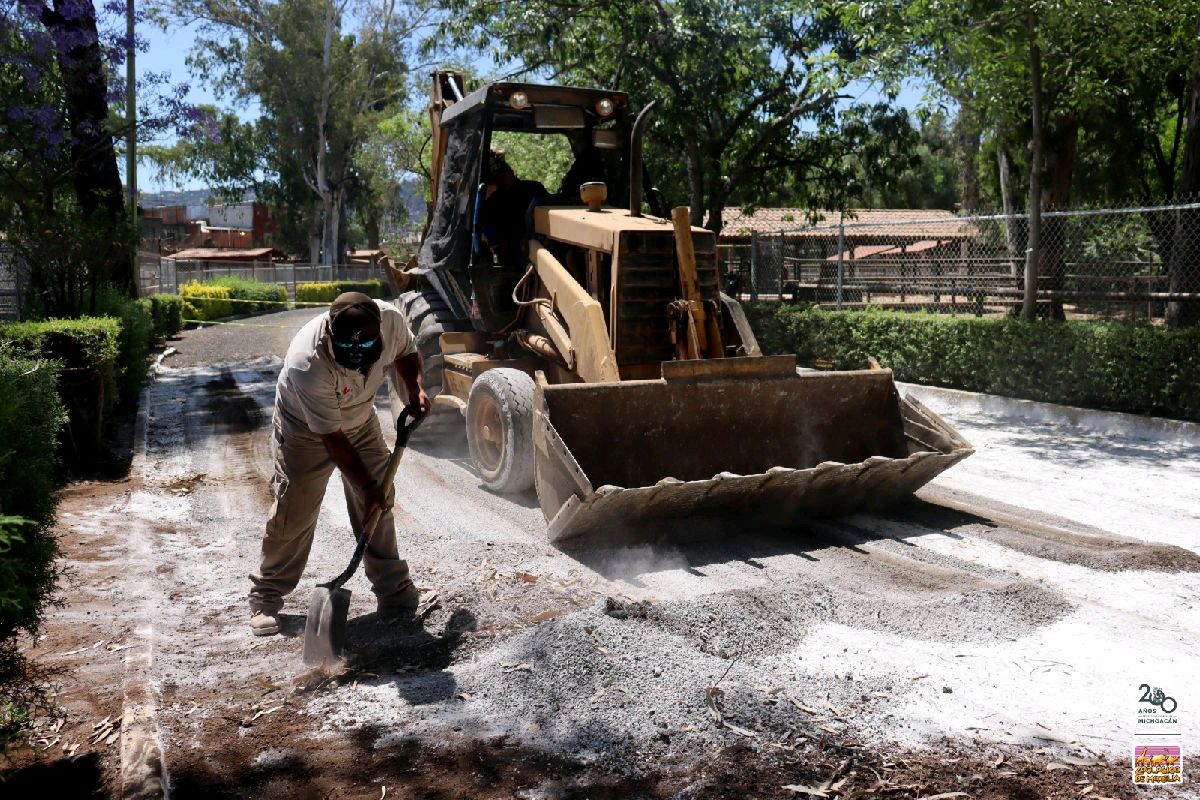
pixel 354 317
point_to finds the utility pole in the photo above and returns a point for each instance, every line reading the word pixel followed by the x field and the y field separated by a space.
pixel 131 142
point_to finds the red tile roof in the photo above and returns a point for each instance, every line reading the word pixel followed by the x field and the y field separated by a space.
pixel 887 250
pixel 904 223
pixel 228 254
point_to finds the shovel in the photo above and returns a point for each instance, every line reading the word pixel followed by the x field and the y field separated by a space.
pixel 325 630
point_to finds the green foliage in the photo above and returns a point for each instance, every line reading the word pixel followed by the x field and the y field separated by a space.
pixel 907 167
pixel 749 94
pixel 371 288
pixel 133 359
pixel 252 297
pixel 328 291
pixel 31 417
pixel 166 310
pixel 321 89
pixel 203 302
pixel 87 350
pixel 65 256
pixel 226 154
pixel 317 292
pixel 393 185
pixel 544 158
pixel 1095 364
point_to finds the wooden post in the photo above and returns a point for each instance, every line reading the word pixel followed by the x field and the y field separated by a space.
pixel 686 251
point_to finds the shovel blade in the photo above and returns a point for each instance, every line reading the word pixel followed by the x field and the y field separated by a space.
pixel 325 630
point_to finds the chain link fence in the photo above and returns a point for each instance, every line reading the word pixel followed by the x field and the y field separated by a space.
pixel 10 286
pixel 1130 263
pixel 163 275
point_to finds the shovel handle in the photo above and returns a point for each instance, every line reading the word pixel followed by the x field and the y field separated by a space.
pixel 406 423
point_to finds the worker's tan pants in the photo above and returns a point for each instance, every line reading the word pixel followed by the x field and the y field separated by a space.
pixel 302 470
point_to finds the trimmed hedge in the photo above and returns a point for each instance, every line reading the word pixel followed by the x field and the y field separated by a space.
pixel 166 312
pixel 255 297
pixel 133 360
pixel 1115 366
pixel 87 350
pixel 327 292
pixel 203 301
pixel 31 415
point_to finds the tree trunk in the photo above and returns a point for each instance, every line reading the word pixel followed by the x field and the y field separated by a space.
pixel 331 246
pixel 695 171
pixel 966 130
pixel 1185 250
pixel 324 191
pixel 1060 162
pixel 72 24
pixel 1014 228
pixel 1033 253
pixel 715 216
pixel 314 236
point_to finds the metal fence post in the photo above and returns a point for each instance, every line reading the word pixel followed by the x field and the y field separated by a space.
pixel 753 266
pixel 781 265
pixel 840 265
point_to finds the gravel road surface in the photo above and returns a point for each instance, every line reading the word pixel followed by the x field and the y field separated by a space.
pixel 1011 613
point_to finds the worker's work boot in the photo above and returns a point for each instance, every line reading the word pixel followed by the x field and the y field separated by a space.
pixel 265 623
pixel 401 604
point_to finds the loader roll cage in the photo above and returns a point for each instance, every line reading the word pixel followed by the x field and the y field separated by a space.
pixel 596 123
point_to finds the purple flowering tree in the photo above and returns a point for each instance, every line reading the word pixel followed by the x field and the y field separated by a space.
pixel 63 209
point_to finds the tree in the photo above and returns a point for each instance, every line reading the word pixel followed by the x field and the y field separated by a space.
pixel 747 92
pixel 321 90
pixel 57 158
pixel 1116 76
pixel 229 155
pixel 393 172
pixel 909 167
pixel 62 205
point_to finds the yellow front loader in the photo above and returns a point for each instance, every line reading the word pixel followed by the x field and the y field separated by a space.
pixel 603 365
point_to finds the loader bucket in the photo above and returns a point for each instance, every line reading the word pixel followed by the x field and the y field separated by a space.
pixel 744 437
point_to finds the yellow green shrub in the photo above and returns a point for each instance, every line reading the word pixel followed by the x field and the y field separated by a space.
pixel 204 302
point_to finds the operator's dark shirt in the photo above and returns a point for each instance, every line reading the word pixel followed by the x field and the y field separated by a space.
pixel 502 218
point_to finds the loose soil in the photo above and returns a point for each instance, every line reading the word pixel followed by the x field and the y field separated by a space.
pixel 985 639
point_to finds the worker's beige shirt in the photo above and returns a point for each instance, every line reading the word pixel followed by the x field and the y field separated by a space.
pixel 316 395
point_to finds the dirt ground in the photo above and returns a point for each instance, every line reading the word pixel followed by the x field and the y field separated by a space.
pixel 986 641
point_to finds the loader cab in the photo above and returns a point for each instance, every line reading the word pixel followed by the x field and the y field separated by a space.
pixel 560 137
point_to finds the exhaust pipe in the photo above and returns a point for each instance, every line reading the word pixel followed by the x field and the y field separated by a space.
pixel 635 159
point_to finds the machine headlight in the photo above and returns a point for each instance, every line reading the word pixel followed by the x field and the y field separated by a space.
pixel 604 106
pixel 519 101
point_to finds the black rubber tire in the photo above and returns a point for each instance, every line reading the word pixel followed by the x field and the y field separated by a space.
pixel 428 318
pixel 511 392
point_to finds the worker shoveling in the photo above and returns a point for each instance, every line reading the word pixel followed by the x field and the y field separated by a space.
pixel 594 352
pixel 325 630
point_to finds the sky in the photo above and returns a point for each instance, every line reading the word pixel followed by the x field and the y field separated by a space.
pixel 168 52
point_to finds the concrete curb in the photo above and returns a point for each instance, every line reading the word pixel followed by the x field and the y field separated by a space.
pixel 143 772
pixel 1033 412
